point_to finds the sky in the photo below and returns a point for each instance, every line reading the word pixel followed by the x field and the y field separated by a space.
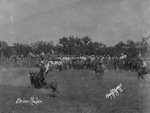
pixel 106 21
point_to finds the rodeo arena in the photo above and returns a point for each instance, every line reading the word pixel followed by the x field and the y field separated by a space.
pixel 74 56
pixel 51 80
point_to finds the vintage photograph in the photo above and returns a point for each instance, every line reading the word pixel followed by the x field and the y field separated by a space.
pixel 74 56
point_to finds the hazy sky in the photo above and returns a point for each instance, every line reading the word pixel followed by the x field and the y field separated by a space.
pixel 106 21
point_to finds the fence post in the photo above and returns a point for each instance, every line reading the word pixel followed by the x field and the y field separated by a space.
pixel 1 55
pixel 29 61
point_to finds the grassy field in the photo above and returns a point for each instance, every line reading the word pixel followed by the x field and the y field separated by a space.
pixel 79 92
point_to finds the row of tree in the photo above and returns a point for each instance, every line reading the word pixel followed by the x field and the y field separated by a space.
pixel 77 46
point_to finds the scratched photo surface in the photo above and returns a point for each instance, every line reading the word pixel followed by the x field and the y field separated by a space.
pixel 74 56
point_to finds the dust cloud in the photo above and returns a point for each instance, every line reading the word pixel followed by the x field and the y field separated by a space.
pixel 13 78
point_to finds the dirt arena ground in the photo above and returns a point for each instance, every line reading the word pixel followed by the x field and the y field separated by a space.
pixel 79 93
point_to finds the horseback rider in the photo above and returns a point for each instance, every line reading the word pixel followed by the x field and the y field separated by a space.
pixel 42 70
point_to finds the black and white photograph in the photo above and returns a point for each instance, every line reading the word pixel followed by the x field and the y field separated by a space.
pixel 74 56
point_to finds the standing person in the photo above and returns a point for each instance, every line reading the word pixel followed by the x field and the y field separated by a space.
pixel 48 56
pixel 139 55
pixel 144 65
pixel 60 65
pixel 52 52
pixel 15 58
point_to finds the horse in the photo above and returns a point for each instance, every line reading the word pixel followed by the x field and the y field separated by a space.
pixel 141 71
pixel 99 70
pixel 33 79
pixel 37 78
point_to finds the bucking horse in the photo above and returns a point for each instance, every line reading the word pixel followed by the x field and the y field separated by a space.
pixel 38 78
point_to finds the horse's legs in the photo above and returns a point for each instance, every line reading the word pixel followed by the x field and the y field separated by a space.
pixel 138 76
pixel 142 77
pixel 96 75
pixel 99 75
pixel 102 73
pixel 31 79
pixel 39 83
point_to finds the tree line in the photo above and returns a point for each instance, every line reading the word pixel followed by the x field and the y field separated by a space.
pixel 77 46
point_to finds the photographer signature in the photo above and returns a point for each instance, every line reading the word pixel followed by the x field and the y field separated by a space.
pixel 114 91
pixel 31 101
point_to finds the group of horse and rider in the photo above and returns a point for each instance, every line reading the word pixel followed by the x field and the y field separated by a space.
pixel 38 78
pixel 143 69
